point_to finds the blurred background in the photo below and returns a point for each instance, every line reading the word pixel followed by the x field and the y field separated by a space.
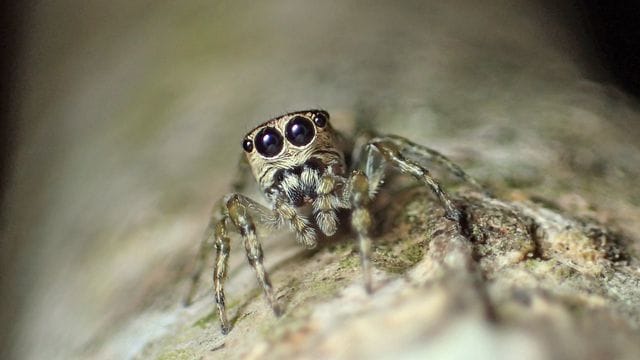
pixel 122 123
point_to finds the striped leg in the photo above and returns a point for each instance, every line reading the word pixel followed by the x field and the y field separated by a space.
pixel 223 247
pixel 285 213
pixel 328 201
pixel 237 206
pixel 216 231
pixel 392 154
pixel 235 212
pixel 434 156
pixel 361 222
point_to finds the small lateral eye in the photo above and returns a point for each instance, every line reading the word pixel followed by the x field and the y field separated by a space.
pixel 320 119
pixel 269 142
pixel 299 131
pixel 247 145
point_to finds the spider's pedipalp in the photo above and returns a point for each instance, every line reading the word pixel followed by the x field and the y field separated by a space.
pixel 287 213
pixel 326 204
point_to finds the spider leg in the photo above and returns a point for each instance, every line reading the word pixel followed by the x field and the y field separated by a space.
pixel 392 154
pixel 361 221
pixel 240 179
pixel 223 247
pixel 235 212
pixel 204 250
pixel 372 157
pixel 436 157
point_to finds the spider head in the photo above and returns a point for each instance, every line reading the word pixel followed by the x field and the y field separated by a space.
pixel 292 141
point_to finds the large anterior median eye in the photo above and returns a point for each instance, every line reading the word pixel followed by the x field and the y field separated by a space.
pixel 299 131
pixel 268 142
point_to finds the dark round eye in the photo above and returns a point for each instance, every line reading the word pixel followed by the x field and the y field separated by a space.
pixel 247 145
pixel 269 142
pixel 299 131
pixel 320 119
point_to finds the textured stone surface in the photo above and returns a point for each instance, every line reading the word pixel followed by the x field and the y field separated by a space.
pixel 131 119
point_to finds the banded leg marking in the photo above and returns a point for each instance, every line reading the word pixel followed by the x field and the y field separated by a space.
pixel 435 156
pixel 236 207
pixel 361 222
pixel 392 154
pixel 287 213
pixel 326 204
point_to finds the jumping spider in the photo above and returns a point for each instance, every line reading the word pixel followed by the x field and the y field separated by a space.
pixel 300 163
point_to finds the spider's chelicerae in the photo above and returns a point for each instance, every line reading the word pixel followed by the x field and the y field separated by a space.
pixel 300 163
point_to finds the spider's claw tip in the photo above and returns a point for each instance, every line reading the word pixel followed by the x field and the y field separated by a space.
pixel 277 310
pixel 368 288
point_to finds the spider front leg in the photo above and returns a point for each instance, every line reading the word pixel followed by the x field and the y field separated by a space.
pixel 241 177
pixel 236 212
pixel 223 247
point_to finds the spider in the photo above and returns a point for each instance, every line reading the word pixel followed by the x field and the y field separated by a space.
pixel 301 165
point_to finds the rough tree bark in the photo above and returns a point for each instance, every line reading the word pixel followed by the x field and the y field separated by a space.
pixel 129 122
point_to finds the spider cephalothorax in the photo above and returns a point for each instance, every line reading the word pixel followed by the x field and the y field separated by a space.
pixel 290 142
pixel 299 162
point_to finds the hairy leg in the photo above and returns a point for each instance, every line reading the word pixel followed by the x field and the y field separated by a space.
pixel 223 247
pixel 372 158
pixel 391 153
pixel 235 212
pixel 427 153
pixel 361 221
